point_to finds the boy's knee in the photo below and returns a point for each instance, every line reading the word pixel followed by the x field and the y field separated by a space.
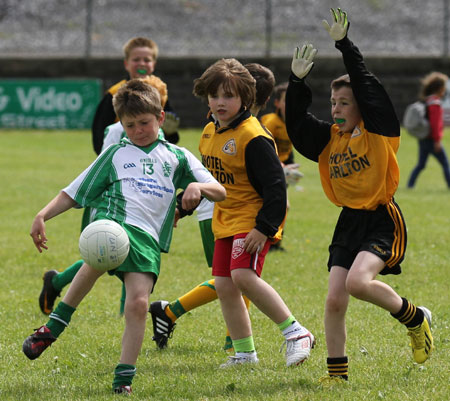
pixel 335 304
pixel 242 279
pixel 356 287
pixel 138 306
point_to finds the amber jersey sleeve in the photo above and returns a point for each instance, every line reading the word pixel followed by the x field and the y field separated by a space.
pixel 358 169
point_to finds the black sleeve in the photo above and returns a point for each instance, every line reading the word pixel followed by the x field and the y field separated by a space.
pixel 184 212
pixel 308 134
pixel 266 176
pixel 374 103
pixel 104 116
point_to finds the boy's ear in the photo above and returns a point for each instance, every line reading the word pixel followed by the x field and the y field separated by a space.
pixel 162 118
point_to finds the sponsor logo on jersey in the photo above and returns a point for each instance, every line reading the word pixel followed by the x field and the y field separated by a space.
pixel 356 132
pixel 129 165
pixel 238 248
pixel 230 147
pixel 346 163
pixel 167 168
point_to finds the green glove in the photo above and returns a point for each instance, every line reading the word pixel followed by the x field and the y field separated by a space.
pixel 338 29
pixel 171 123
pixel 302 61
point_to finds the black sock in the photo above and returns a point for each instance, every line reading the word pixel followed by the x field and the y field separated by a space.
pixel 338 367
pixel 409 314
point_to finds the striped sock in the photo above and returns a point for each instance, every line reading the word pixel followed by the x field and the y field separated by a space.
pixel 123 375
pixel 60 318
pixel 338 367
pixel 409 314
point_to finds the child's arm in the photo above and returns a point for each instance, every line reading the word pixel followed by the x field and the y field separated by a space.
pixel 267 177
pixel 374 103
pixel 196 190
pixel 104 116
pixel 58 205
pixel 308 134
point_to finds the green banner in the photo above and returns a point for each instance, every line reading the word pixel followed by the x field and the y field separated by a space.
pixel 48 104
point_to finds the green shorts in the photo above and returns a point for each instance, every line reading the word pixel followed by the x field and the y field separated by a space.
pixel 144 255
pixel 207 240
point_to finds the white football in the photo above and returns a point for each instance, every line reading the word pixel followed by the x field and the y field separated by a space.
pixel 104 245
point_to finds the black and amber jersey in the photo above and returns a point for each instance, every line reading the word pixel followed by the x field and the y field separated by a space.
pixel 242 157
pixel 106 116
pixel 275 124
pixel 358 169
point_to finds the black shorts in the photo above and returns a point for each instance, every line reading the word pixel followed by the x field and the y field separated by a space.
pixel 381 232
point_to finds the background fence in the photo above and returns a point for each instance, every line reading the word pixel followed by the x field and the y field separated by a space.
pixel 253 28
pixel 82 39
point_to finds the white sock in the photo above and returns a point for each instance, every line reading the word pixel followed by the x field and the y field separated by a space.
pixel 294 330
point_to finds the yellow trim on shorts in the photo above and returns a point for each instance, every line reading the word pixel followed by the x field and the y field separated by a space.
pixel 399 244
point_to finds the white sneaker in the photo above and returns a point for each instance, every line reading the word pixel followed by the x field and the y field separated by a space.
pixel 234 360
pixel 298 348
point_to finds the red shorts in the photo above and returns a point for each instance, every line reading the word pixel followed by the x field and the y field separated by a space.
pixel 229 254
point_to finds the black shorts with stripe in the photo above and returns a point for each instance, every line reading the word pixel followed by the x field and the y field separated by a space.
pixel 381 232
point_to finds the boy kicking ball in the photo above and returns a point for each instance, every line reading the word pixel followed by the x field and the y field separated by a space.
pixel 133 183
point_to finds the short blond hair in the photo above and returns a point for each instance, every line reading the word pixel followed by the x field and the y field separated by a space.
pixel 234 78
pixel 157 83
pixel 140 42
pixel 137 97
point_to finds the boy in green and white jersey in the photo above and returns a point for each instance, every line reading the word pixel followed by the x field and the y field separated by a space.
pixel 133 183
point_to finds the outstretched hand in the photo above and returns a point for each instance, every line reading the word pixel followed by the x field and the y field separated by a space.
pixel 302 61
pixel 339 27
pixel 171 123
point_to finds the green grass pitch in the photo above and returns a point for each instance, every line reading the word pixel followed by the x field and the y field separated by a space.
pixel 35 165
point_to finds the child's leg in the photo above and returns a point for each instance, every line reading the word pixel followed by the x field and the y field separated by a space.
pixel 235 313
pixel 138 287
pixel 266 299
pixel 164 314
pixel 43 337
pixel 53 284
pixel 361 284
pixel 298 339
pixel 81 284
pixel 334 321
pixel 65 277
pixel 233 307
pixel 198 296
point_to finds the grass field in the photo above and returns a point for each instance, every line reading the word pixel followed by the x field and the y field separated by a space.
pixel 35 165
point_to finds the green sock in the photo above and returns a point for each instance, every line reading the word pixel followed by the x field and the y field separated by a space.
pixel 122 300
pixel 61 279
pixel 123 375
pixel 286 323
pixel 60 318
pixel 244 345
